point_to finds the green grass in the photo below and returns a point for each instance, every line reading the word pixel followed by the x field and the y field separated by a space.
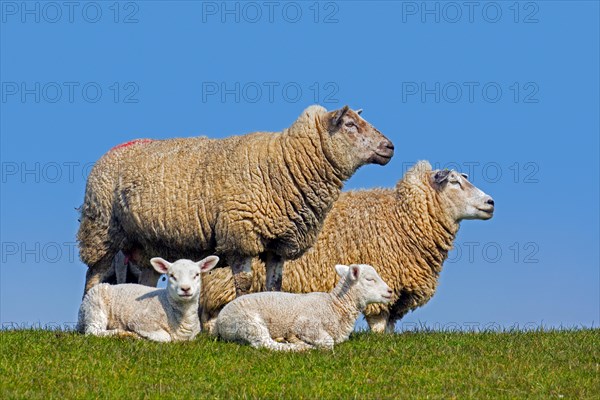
pixel 551 364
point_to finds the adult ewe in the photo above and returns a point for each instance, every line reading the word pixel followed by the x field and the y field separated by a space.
pixel 405 233
pixel 157 314
pixel 261 194
pixel 303 320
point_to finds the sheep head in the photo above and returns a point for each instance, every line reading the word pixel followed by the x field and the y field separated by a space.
pixel 355 142
pixel 366 282
pixel 184 282
pixel 462 199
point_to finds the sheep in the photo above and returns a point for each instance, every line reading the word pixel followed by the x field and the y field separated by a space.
pixel 122 270
pixel 405 233
pixel 162 315
pixel 261 194
pixel 305 321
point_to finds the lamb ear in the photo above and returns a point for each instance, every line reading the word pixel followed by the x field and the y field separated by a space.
pixel 337 117
pixel 354 272
pixel 160 265
pixel 342 270
pixel 208 263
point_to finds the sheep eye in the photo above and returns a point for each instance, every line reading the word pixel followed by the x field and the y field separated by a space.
pixel 370 279
pixel 350 124
pixel 172 277
pixel 197 275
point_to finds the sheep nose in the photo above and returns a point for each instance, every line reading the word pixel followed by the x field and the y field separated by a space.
pixel 386 147
pixel 390 292
pixel 185 288
pixel 490 201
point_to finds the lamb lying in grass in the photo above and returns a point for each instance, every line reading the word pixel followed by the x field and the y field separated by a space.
pixel 162 315
pixel 304 321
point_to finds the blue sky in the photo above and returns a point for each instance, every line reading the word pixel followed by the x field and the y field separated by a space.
pixel 508 93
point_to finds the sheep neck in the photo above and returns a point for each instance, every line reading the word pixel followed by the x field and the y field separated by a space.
pixel 316 178
pixel 183 313
pixel 432 232
pixel 312 133
pixel 346 302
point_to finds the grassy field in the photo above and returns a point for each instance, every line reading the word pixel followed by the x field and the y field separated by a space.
pixel 554 364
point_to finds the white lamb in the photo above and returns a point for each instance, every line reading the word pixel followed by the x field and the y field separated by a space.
pixel 162 315
pixel 303 321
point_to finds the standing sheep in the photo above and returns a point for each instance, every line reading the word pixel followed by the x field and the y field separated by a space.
pixel 141 311
pixel 261 194
pixel 304 320
pixel 405 233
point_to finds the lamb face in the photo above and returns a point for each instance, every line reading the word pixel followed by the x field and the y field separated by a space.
pixel 464 200
pixel 354 141
pixel 184 282
pixel 367 282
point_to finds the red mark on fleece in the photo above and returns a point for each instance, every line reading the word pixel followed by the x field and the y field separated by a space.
pixel 132 142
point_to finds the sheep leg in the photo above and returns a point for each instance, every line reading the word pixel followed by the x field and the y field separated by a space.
pixel 97 272
pixel 125 269
pixel 262 338
pixel 322 341
pixel 208 320
pixel 98 240
pixel 296 340
pixel 157 336
pixel 273 345
pixel 242 275
pixel 120 267
pixel 390 326
pixel 96 323
pixel 378 322
pixel 252 330
pixel 115 332
pixel 133 273
pixel 393 318
pixel 125 334
pixel 274 271
pixel 325 341
pixel 132 258
pixel 209 326
pixel 312 333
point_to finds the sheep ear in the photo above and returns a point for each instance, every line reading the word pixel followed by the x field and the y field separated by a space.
pixel 441 176
pixel 342 270
pixel 208 263
pixel 337 117
pixel 354 272
pixel 160 265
